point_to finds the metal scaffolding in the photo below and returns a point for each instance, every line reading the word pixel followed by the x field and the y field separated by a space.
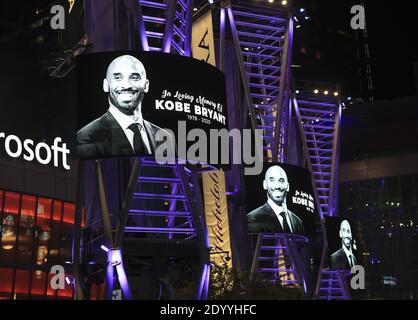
pixel 318 112
pixel 163 202
pixel 262 37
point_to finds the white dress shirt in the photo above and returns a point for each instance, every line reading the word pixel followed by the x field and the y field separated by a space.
pixel 125 121
pixel 349 253
pixel 279 209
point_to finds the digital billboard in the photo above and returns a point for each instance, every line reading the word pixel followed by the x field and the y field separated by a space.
pixel 343 250
pixel 281 200
pixel 143 103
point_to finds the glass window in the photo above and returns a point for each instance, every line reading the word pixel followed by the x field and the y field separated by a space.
pixel 11 204
pixel 69 211
pixel 36 233
pixel 38 285
pixel 9 227
pixel 26 230
pixel 388 223
pixel 22 282
pixel 51 293
pixel 6 282
pixel 57 213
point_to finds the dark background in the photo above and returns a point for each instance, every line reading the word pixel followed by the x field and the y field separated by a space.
pixel 333 52
pixel 299 179
pixel 165 72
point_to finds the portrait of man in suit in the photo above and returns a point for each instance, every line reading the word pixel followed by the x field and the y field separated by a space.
pixel 274 216
pixel 122 130
pixel 344 257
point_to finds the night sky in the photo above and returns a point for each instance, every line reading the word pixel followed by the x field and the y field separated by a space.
pixel 393 36
pixel 392 33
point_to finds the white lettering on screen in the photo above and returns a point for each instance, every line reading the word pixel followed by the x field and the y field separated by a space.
pixel 42 152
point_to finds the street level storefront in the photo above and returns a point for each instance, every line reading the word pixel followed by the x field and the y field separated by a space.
pixel 37 208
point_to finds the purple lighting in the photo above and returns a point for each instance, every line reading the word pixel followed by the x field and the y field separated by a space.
pixel 114 257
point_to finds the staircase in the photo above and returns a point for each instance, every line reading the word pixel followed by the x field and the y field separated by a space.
pixel 261 32
pixel 159 205
pixel 278 260
pixel 318 111
pixel 319 118
pixel 166 25
pixel 333 285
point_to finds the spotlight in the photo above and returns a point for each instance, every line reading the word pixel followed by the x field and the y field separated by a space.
pixel 336 94
pixel 194 9
pixel 284 2
pixel 316 91
pixel 104 248
pixel 302 10
pixel 326 92
pixel 210 1
pixel 68 280
pixel 271 1
pixel 297 91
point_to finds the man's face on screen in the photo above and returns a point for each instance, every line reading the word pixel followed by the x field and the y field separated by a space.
pixel 126 83
pixel 276 184
pixel 345 234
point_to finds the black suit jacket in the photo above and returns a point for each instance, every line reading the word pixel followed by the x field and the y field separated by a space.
pixel 339 260
pixel 264 220
pixel 104 137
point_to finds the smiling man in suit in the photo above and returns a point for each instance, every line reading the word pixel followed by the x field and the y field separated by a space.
pixel 274 216
pixel 344 258
pixel 122 131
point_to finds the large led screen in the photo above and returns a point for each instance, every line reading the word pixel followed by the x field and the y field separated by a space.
pixel 342 243
pixel 281 200
pixel 143 103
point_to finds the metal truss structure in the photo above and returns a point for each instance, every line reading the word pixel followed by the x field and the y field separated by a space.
pixel 333 285
pixel 166 26
pixel 318 111
pixel 319 118
pixel 262 36
pixel 161 202
pixel 166 202
pixel 277 258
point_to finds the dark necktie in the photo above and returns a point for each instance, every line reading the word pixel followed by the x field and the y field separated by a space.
pixel 139 145
pixel 351 261
pixel 286 227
